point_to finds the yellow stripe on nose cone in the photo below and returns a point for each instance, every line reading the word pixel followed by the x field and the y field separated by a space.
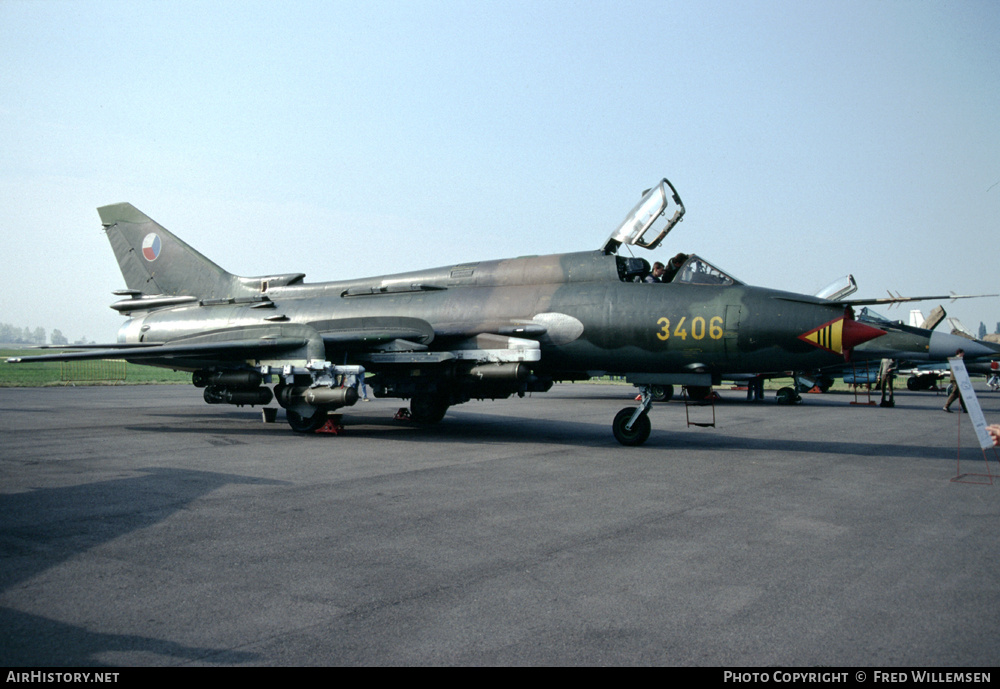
pixel 828 336
pixel 840 336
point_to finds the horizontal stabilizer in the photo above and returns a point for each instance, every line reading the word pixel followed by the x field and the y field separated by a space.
pixel 229 344
pixel 233 349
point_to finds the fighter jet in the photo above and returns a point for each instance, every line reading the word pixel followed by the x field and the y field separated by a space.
pixel 444 336
pixel 910 346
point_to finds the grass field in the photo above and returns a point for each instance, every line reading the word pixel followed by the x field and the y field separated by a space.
pixel 81 372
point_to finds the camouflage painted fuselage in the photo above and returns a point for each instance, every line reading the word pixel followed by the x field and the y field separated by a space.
pixel 586 319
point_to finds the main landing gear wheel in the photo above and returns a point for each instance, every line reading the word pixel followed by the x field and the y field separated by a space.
pixel 662 393
pixel 427 409
pixel 787 396
pixel 305 424
pixel 639 432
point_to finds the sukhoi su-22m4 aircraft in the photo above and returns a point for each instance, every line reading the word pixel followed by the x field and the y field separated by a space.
pixel 481 330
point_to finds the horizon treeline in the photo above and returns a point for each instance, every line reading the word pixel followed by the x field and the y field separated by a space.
pixel 11 334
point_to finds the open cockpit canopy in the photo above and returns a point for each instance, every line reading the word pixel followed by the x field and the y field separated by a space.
pixel 649 213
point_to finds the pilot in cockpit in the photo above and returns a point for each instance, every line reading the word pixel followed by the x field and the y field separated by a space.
pixel 656 275
pixel 673 265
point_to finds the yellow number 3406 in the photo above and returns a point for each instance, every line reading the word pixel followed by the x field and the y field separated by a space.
pixel 697 330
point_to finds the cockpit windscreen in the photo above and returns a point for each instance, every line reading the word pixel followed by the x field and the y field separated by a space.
pixel 698 271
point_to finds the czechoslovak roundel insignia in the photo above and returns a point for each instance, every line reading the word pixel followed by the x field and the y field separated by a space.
pixel 151 246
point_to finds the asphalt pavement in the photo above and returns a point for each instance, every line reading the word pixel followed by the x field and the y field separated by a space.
pixel 140 526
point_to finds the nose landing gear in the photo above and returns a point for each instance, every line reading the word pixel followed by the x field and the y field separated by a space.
pixel 631 427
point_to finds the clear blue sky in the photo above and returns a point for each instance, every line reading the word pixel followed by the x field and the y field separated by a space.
pixel 343 139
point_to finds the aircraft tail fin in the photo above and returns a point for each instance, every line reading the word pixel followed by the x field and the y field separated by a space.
pixel 155 261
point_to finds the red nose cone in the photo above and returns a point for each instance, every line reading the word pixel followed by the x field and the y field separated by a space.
pixel 857 333
pixel 841 335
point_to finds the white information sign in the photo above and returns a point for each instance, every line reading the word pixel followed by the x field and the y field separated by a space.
pixel 971 401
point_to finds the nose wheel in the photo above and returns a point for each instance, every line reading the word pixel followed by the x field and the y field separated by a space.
pixel 631 426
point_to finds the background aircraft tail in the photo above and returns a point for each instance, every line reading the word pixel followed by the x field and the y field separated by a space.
pixel 154 261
